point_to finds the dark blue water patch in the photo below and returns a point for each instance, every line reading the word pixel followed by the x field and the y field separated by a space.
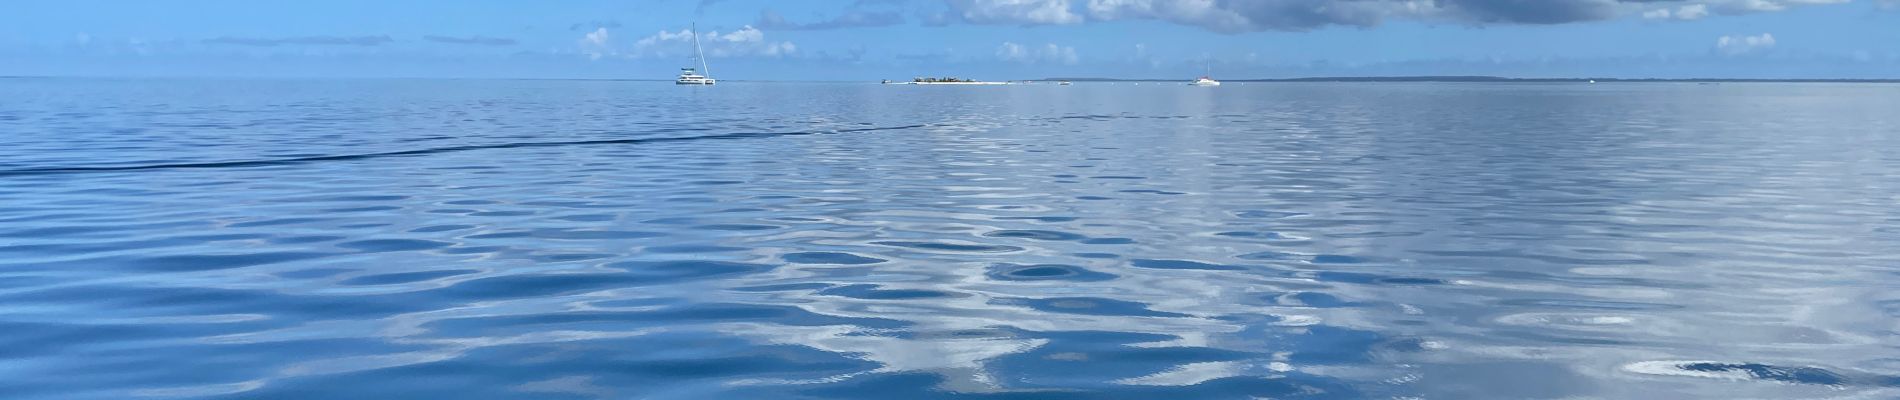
pixel 361 209
pixel 1038 219
pixel 452 211
pixel 1086 306
pixel 569 234
pixel 588 218
pixel 474 250
pixel 351 198
pixel 1265 214
pixel 1335 259
pixel 1802 375
pixel 688 269
pixel 1181 264
pixel 501 214
pixel 1035 234
pixel 1372 279
pixel 826 257
pixel 1109 241
pixel 207 262
pixel 212 301
pixel 389 245
pixel 1124 177
pixel 1271 256
pixel 501 235
pixel 314 273
pixel 873 292
pixel 537 285
pixel 738 227
pixel 567 257
pixel 1098 255
pixel 277 221
pixel 470 202
pixel 692 249
pixel 1588 304
pixel 441 228
pixel 788 287
pixel 1152 191
pixel 1331 345
pixel 1093 198
pixel 1046 272
pixel 621 320
pixel 1253 235
pixel 404 277
pixel 671 221
pixel 1320 300
pixel 940 246
pixel 304 239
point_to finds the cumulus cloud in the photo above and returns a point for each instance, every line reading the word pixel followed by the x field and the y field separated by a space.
pixel 1235 16
pixel 303 40
pixel 597 44
pixel 855 19
pixel 747 41
pixel 1050 53
pixel 471 40
pixel 1025 12
pixel 1735 45
pixel 1687 12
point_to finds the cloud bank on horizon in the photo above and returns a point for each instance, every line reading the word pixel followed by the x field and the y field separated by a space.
pixel 829 39
pixel 1236 16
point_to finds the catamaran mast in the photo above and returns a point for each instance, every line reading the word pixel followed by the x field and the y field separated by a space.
pixel 701 55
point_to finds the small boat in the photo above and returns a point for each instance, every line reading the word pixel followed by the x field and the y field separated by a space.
pixel 1205 80
pixel 690 76
pixel 1064 83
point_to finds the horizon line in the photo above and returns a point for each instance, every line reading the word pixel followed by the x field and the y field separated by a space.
pixel 1340 79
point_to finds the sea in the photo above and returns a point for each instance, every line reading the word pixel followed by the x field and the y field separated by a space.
pixel 573 239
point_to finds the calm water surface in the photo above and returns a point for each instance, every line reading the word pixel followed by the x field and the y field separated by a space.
pixel 572 239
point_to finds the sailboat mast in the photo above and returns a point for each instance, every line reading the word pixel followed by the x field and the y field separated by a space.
pixel 697 53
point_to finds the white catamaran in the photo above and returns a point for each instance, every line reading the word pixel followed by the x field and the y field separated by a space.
pixel 1206 80
pixel 690 76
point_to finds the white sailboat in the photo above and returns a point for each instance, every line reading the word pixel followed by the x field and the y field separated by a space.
pixel 690 76
pixel 1205 80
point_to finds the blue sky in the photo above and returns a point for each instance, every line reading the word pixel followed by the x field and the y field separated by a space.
pixel 990 39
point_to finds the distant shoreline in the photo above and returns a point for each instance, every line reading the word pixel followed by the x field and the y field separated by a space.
pixel 1472 79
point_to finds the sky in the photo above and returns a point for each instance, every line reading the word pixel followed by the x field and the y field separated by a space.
pixel 982 39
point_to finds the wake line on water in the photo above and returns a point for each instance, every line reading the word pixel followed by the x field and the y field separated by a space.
pixel 438 150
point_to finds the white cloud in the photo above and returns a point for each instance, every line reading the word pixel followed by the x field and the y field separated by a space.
pixel 1692 11
pixel 747 41
pixel 1027 12
pixel 1050 53
pixel 597 44
pixel 1686 13
pixel 1744 44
